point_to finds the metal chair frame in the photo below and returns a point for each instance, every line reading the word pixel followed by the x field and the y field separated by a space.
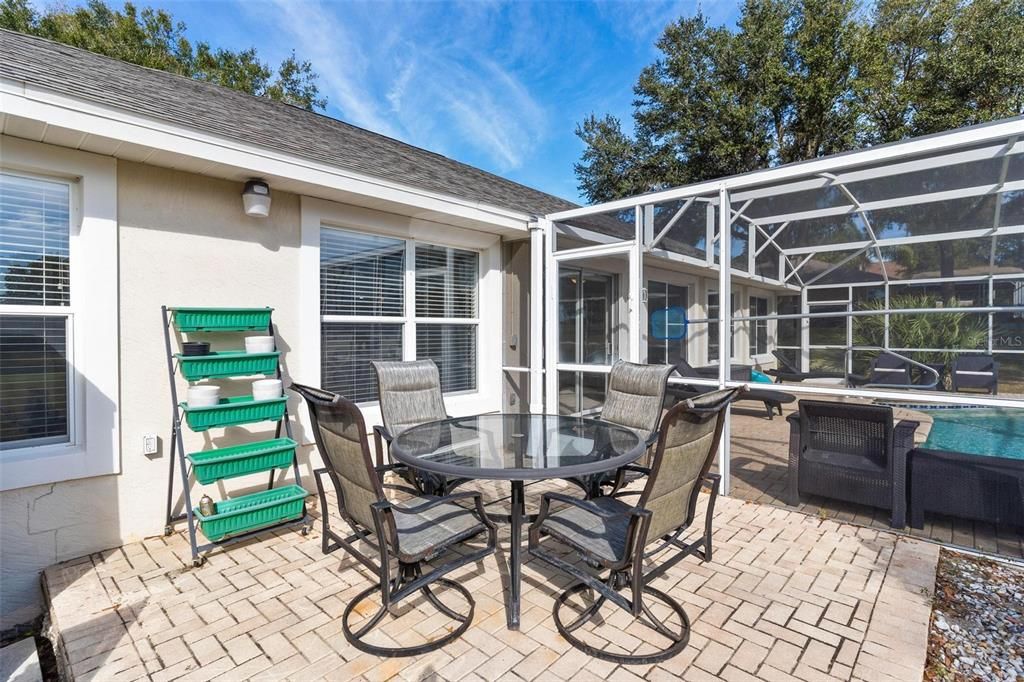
pixel 409 577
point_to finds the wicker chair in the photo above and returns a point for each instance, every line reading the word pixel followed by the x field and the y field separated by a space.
pixel 975 372
pixel 885 370
pixel 412 531
pixel 850 452
pixel 608 534
pixel 410 395
pixel 635 399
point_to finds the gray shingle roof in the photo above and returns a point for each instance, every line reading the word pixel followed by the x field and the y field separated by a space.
pixel 257 120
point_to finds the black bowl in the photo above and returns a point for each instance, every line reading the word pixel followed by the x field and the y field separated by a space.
pixel 195 348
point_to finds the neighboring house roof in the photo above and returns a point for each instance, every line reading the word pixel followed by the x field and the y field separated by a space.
pixel 257 120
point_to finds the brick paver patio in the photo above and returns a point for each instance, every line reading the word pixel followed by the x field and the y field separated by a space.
pixel 787 596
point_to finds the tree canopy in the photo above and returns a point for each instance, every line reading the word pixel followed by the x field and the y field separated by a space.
pixel 798 79
pixel 151 37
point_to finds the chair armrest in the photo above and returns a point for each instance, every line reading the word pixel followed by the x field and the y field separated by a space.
pixel 903 434
pixel 436 501
pixel 711 481
pixel 793 463
pixel 620 476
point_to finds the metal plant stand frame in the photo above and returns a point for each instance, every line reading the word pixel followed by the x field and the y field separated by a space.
pixel 185 469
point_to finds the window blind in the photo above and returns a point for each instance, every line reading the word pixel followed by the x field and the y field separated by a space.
pixel 33 380
pixel 361 274
pixel 35 220
pixel 452 347
pixel 346 351
pixel 446 282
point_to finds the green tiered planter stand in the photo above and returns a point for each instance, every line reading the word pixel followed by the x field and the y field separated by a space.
pixel 240 516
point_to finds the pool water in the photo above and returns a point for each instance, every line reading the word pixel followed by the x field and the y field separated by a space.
pixel 980 431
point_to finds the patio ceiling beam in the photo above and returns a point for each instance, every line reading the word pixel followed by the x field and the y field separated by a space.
pixel 595 251
pixel 671 222
pixel 975 233
pixel 797 268
pixel 771 237
pixel 867 223
pixel 933 145
pixel 897 202
pixel 1002 148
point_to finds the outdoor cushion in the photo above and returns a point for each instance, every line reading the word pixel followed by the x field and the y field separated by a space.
pixel 426 534
pixel 843 459
pixel 590 533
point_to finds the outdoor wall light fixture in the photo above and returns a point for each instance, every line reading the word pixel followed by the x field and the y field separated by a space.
pixel 256 199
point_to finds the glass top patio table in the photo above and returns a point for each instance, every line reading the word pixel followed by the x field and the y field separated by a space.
pixel 517 447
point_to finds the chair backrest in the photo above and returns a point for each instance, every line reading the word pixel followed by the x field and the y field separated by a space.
pixel 847 428
pixel 410 394
pixel 635 395
pixel 975 371
pixel 340 434
pixel 889 369
pixel 687 443
pixel 685 369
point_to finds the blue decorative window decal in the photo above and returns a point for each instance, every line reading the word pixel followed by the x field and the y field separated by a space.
pixel 669 323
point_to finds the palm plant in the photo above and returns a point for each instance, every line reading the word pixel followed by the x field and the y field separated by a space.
pixel 945 332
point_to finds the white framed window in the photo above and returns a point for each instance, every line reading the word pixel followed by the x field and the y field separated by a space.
pixel 712 314
pixel 59 376
pixel 388 298
pixel 758 328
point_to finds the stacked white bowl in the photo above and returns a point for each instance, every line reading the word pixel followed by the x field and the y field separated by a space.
pixel 203 396
pixel 266 389
pixel 259 344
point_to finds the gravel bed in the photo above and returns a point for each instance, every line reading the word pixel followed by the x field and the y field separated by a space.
pixel 977 628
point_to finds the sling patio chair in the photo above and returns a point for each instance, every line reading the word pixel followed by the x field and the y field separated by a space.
pixel 850 452
pixel 635 398
pixel 609 534
pixel 410 395
pixel 411 532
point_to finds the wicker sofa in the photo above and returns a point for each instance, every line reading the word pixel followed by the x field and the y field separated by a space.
pixel 976 487
pixel 850 452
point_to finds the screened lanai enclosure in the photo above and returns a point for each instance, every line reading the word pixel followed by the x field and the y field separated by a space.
pixel 892 275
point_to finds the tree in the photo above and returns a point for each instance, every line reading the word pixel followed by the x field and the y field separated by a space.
pixel 798 79
pixel 151 37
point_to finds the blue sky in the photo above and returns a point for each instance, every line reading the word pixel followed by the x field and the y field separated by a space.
pixel 497 85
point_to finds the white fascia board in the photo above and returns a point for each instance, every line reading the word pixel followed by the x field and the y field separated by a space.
pixel 54 109
pixel 938 143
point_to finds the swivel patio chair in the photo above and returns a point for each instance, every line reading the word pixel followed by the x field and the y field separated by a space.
pixel 609 534
pixel 410 395
pixel 635 399
pixel 412 532
pixel 850 452
pixel 975 372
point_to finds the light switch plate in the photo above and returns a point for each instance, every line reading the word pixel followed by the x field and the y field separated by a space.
pixel 150 444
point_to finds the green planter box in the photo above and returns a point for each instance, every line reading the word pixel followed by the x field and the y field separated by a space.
pixel 234 411
pixel 221 319
pixel 238 460
pixel 252 512
pixel 227 364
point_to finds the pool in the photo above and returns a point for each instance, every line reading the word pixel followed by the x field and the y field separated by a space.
pixel 980 431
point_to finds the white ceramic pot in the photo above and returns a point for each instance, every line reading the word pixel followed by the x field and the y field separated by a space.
pixel 259 344
pixel 266 389
pixel 203 396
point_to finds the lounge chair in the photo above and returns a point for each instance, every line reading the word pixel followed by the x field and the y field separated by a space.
pixel 976 372
pixel 885 370
pixel 787 371
pixel 772 400
pixel 609 534
pixel 413 532
pixel 851 452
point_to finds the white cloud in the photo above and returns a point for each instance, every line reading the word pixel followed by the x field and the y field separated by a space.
pixel 431 75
